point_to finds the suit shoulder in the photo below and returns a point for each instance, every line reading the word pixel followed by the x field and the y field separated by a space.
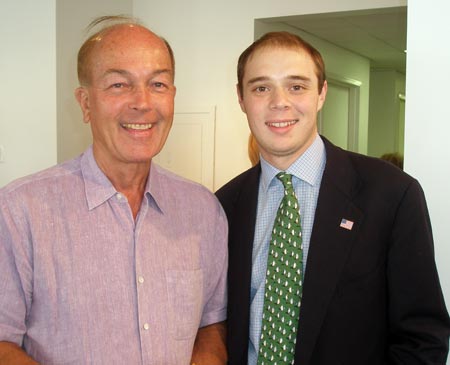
pixel 233 187
pixel 382 178
pixel 373 168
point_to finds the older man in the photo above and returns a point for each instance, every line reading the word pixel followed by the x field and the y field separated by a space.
pixel 108 258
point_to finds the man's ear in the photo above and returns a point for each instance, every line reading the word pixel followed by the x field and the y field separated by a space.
pixel 240 98
pixel 82 96
pixel 322 95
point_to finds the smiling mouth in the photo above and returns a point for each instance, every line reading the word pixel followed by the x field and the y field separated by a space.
pixel 282 124
pixel 139 127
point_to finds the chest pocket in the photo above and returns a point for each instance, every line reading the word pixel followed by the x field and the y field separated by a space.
pixel 185 294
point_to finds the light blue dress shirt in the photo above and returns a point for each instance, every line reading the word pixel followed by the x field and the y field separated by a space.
pixel 307 173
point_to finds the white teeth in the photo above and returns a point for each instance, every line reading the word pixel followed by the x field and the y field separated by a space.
pixel 137 126
pixel 282 124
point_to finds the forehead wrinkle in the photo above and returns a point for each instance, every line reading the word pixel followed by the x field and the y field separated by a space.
pixel 162 71
pixel 304 79
pixel 128 73
pixel 116 71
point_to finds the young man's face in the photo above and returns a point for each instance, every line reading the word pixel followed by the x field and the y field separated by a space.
pixel 281 99
pixel 129 100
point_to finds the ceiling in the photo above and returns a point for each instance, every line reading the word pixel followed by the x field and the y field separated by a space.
pixel 377 34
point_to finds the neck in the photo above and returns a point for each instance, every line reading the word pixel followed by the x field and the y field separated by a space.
pixel 133 187
pixel 130 180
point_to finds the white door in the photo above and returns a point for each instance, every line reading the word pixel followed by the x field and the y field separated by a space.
pixel 338 120
pixel 189 149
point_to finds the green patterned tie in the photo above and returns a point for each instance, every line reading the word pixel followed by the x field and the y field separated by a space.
pixel 283 287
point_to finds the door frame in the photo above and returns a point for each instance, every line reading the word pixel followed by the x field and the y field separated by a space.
pixel 353 88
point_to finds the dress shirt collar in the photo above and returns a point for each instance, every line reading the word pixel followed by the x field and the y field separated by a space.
pixel 155 190
pixel 308 167
pixel 99 188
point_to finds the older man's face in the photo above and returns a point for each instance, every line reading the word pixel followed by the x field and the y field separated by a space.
pixel 129 101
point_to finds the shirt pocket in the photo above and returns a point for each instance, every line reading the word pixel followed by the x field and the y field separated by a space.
pixel 185 295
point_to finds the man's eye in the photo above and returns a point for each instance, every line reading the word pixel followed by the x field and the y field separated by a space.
pixel 261 89
pixel 118 85
pixel 297 87
pixel 159 85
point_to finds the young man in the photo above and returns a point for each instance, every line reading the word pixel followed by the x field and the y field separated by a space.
pixel 367 290
pixel 108 258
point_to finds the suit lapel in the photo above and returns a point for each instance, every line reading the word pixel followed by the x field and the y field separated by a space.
pixel 242 228
pixel 329 246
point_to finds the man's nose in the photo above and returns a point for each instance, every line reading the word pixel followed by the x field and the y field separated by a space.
pixel 141 98
pixel 279 99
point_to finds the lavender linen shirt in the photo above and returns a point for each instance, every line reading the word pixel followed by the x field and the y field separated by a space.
pixel 83 283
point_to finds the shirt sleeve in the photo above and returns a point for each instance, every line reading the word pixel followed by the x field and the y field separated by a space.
pixel 15 274
pixel 215 275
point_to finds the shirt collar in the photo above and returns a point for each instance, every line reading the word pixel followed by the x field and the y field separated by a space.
pixel 154 191
pixel 99 188
pixel 308 167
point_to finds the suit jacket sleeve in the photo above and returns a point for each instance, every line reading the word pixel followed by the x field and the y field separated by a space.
pixel 418 320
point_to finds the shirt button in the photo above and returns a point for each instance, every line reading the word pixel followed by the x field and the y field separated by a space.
pixel 119 196
pixel 141 279
pixel 146 326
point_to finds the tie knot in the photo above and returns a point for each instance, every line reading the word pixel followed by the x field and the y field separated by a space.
pixel 286 179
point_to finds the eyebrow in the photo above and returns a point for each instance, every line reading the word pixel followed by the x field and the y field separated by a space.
pixel 290 77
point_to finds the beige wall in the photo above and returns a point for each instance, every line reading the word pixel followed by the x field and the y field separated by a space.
pixel 28 91
pixel 385 114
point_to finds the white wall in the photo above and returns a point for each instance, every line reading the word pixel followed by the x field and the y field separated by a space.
pixel 427 126
pixel 28 92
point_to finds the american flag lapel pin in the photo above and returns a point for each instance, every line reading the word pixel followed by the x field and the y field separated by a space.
pixel 346 224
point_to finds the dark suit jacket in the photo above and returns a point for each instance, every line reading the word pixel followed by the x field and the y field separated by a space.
pixel 371 294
